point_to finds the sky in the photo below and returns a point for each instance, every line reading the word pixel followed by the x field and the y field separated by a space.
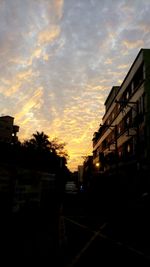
pixel 59 60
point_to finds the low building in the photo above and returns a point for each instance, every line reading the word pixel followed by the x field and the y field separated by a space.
pixel 80 174
pixel 8 131
pixel 88 171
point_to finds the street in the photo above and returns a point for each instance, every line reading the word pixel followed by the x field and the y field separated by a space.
pixel 86 237
pixel 92 240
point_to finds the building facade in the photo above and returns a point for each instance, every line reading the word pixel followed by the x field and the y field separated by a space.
pixel 8 131
pixel 122 142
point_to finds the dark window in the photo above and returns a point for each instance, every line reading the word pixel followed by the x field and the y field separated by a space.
pixel 138 77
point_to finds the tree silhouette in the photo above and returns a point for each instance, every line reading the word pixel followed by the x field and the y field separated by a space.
pixel 42 153
pixel 39 142
pixel 58 148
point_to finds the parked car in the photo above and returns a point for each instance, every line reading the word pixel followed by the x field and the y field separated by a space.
pixel 71 188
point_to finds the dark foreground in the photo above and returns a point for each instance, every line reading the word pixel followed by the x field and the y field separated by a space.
pixel 79 234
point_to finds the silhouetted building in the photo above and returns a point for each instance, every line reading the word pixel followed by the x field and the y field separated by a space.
pixel 80 174
pixel 122 143
pixel 87 171
pixel 8 131
pixel 74 177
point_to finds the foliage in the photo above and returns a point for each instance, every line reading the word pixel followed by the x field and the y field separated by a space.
pixel 36 153
pixel 39 141
pixel 58 148
pixel 49 155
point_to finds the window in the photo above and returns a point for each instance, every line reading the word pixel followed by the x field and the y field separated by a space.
pixel 120 154
pixel 119 130
pixel 127 95
pixel 138 77
pixel 128 148
pixel 142 104
pixel 128 121
pixel 132 87
pixel 144 72
pixel 104 144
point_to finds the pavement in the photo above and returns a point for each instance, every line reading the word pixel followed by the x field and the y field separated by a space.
pixel 86 246
pixel 94 240
pixel 86 237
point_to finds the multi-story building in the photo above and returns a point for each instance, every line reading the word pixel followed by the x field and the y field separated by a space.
pixel 8 131
pixel 122 142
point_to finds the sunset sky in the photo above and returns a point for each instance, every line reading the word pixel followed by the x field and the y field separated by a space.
pixel 59 60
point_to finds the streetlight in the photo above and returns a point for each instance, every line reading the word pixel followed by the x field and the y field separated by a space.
pixel 97 164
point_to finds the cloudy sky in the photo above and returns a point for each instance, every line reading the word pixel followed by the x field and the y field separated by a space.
pixel 59 60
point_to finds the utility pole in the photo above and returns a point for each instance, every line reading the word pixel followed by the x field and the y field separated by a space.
pixel 131 105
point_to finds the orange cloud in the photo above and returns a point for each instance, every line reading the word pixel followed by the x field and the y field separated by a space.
pixel 12 86
pixel 108 61
pixel 59 7
pixel 123 66
pixel 133 44
pixel 46 57
pixel 48 35
pixel 37 53
pixel 32 102
pixel 74 126
pixel 43 38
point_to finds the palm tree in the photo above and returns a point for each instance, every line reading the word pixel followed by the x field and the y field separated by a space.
pixel 39 151
pixel 40 141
